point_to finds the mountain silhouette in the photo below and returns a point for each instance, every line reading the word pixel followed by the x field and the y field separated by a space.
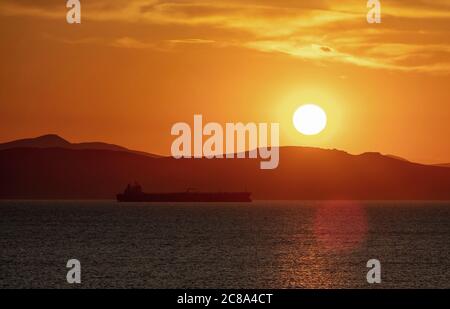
pixel 55 141
pixel 303 174
pixel 396 157
pixel 443 165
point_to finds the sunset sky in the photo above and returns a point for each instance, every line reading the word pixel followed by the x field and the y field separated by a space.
pixel 133 68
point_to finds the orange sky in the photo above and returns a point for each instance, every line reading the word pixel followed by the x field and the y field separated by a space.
pixel 135 67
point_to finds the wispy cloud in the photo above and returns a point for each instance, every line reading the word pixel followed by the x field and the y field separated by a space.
pixel 191 41
pixel 414 35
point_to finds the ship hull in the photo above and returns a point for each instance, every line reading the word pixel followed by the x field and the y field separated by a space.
pixel 184 197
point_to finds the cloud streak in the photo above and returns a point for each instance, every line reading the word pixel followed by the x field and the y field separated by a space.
pixel 414 35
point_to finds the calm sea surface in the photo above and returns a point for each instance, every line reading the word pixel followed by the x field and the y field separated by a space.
pixel 258 245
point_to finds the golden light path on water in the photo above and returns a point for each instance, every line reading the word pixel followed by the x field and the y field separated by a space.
pixel 334 231
pixel 340 226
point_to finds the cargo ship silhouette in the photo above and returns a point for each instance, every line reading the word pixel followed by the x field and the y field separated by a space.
pixel 133 193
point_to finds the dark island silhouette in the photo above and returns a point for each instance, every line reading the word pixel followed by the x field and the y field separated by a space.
pixel 443 165
pixel 55 141
pixel 35 170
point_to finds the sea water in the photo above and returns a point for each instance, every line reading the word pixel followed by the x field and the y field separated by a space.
pixel 258 245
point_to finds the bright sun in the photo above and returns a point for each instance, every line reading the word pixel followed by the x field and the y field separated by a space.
pixel 310 119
